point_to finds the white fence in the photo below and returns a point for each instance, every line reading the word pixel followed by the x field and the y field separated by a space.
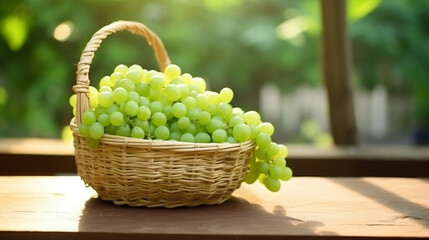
pixel 380 117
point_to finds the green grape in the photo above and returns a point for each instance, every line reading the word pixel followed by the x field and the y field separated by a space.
pixel 241 132
pixel 133 96
pixel 254 131
pixel 272 184
pixel 225 111
pixel 213 125
pixel 162 132
pixel 121 107
pixel 141 124
pixel 252 118
pixel 261 153
pixel 174 127
pixel 172 71
pixel 287 174
pixel 159 119
pixel 121 68
pixel 202 137
pixel 193 114
pixel 144 113
pixel 192 129
pixel 131 108
pixel 166 102
pixel 127 84
pixel 176 81
pixel 204 117
pixel 193 94
pixel 272 149
pixel 144 78
pixel 106 89
pixel 199 83
pixel 279 161
pixel 283 151
pixel 116 118
pixel 179 110
pixel 213 98
pixel 189 102
pixel 262 167
pixel 263 139
pixel 112 109
pixel 84 130
pixel 99 110
pixel 235 120
pixel 266 127
pixel 184 90
pixel 134 75
pixel 135 67
pixel 219 136
pixel 144 102
pixel 151 131
pixel 201 129
pixel 93 101
pixel 231 139
pixel 176 135
pixel 91 142
pixel 186 78
pixel 96 130
pixel 156 94
pixel 105 81
pixel 238 112
pixel 105 99
pixel 143 89
pixel 202 101
pixel 172 92
pixel 104 119
pixel 150 74
pixel 156 106
pixel 276 171
pixel 187 137
pixel 157 82
pixel 212 109
pixel 72 100
pixel 167 111
pixel 111 129
pixel 120 95
pixel 116 77
pixel 218 118
pixel 123 130
pixel 251 177
pixel 88 117
pixel 226 95
pixel 137 132
pixel 183 122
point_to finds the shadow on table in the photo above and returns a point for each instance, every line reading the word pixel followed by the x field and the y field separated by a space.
pixel 406 209
pixel 234 217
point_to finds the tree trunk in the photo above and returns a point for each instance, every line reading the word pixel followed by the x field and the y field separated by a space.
pixel 337 72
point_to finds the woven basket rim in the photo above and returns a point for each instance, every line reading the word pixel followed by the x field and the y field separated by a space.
pixel 177 146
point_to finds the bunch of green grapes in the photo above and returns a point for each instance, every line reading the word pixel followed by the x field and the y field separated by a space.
pixel 171 106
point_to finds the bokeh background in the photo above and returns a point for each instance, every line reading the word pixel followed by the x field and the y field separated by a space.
pixel 267 51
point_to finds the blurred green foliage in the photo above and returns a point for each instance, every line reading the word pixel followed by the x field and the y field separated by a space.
pixel 235 43
pixel 390 48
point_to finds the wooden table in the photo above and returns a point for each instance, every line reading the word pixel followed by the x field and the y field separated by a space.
pixel 305 208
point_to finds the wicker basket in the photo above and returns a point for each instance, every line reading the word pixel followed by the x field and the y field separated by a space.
pixel 153 173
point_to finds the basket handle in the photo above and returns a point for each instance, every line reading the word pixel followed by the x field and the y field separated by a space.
pixel 82 79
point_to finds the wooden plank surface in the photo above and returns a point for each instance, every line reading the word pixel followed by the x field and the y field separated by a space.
pixel 305 208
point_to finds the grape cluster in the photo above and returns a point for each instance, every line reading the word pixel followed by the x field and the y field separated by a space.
pixel 147 104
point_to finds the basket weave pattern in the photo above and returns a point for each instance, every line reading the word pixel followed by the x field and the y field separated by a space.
pixel 152 173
